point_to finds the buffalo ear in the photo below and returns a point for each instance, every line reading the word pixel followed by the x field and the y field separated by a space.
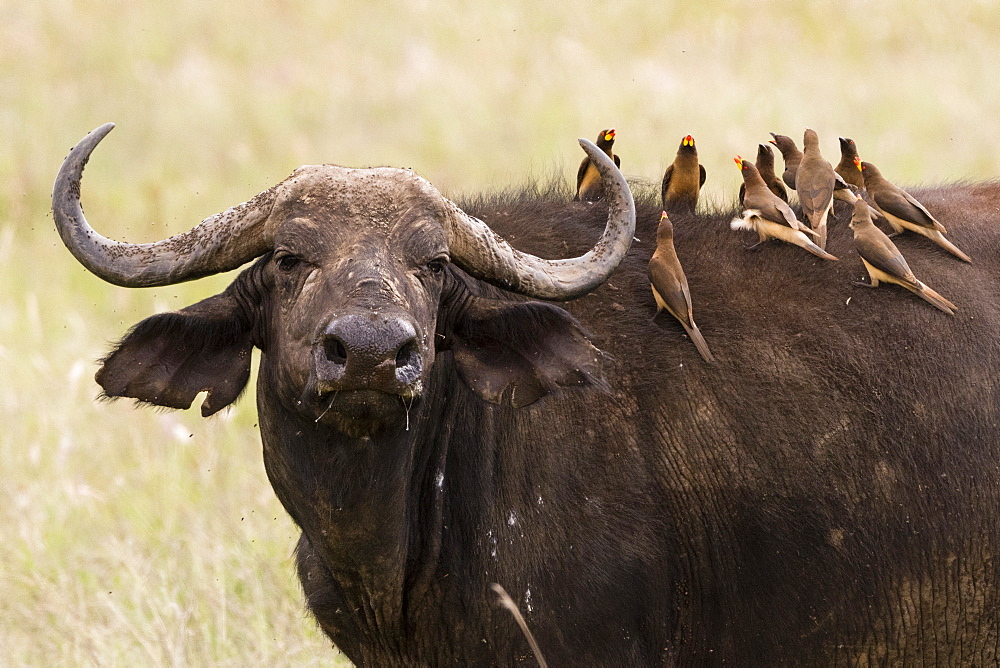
pixel 167 359
pixel 517 352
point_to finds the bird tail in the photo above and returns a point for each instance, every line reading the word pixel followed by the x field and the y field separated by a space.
pixel 742 223
pixel 950 247
pixel 699 342
pixel 934 299
pixel 817 220
pixel 816 250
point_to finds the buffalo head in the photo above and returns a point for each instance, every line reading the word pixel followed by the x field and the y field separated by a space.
pixel 352 295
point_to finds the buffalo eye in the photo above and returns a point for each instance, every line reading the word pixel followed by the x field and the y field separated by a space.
pixel 436 266
pixel 286 262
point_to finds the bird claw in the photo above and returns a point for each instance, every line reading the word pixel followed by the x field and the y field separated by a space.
pixel 862 284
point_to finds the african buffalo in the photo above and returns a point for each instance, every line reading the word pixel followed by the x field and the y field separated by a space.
pixel 826 493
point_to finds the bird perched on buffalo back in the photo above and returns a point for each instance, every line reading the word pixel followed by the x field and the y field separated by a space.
pixel 815 182
pixel 846 167
pixel 670 286
pixel 770 217
pixel 683 179
pixel 903 211
pixel 792 156
pixel 588 181
pixel 765 166
pixel 885 263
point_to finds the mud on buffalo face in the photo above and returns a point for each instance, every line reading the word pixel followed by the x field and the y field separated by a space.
pixel 349 299
pixel 353 300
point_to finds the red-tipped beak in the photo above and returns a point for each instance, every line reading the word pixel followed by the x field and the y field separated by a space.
pixel 739 161
pixel 609 135
pixel 857 163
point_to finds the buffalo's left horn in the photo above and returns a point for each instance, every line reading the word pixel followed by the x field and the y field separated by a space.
pixel 220 243
pixel 481 252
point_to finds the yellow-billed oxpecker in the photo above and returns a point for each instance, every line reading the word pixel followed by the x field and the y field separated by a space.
pixel 683 179
pixel 903 211
pixel 884 262
pixel 670 286
pixel 765 166
pixel 815 181
pixel 774 219
pixel 588 180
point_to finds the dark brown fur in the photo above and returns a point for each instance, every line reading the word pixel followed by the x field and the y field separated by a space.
pixel 827 493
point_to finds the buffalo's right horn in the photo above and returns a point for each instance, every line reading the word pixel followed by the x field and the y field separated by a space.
pixel 220 243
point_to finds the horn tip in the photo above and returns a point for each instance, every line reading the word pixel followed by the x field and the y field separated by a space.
pixel 103 130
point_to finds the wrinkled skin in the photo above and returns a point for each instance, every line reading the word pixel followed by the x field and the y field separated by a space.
pixel 826 494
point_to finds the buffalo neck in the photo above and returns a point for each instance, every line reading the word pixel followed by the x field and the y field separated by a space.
pixel 357 500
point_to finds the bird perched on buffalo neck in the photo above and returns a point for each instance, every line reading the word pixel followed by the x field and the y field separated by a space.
pixel 588 180
pixel 683 179
pixel 885 263
pixel 792 156
pixel 670 286
pixel 770 217
pixel 765 166
pixel 903 211
pixel 815 182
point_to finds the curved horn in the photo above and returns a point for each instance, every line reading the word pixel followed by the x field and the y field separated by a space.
pixel 220 243
pixel 481 252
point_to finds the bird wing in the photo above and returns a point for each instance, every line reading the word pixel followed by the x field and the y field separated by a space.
pixel 667 175
pixel 879 251
pixel 771 207
pixel 815 185
pixel 701 169
pixel 670 283
pixel 618 161
pixel 899 203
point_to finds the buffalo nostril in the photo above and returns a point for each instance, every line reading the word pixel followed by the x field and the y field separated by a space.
pixel 408 355
pixel 335 350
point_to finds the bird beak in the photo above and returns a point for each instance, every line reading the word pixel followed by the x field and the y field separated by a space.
pixel 689 141
pixel 857 163
pixel 609 135
pixel 739 161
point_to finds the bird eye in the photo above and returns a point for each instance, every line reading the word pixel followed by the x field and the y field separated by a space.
pixel 286 262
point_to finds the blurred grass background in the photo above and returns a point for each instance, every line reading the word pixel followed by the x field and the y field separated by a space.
pixel 153 538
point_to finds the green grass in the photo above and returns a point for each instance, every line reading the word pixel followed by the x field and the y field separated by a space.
pixel 144 537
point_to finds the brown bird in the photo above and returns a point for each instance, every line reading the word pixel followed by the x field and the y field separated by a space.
pixel 885 263
pixel 776 224
pixel 815 182
pixel 588 180
pixel 670 286
pixel 792 156
pixel 904 212
pixel 848 174
pixel 846 167
pixel 683 179
pixel 765 165
pixel 757 196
